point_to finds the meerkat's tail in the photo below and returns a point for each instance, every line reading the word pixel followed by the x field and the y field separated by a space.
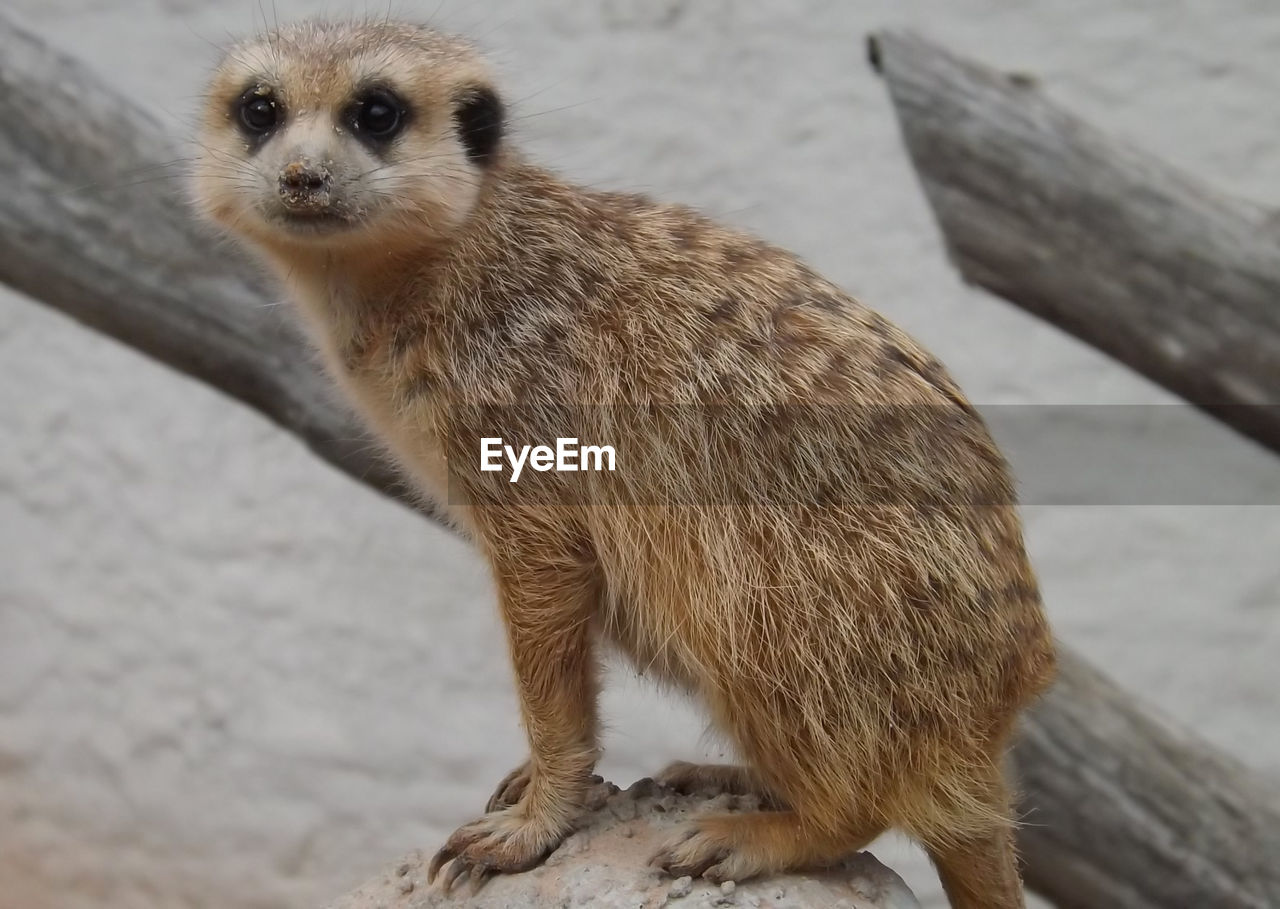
pixel 981 869
pixel 980 873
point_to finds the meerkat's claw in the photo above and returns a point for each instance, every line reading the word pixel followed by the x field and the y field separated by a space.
pixel 510 789
pixel 457 868
pixel 479 875
pixel 690 852
pixel 443 855
pixel 502 842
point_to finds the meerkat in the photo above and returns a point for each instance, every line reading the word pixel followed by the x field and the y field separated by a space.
pixel 809 528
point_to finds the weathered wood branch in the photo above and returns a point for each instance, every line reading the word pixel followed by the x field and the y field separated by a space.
pixel 1145 817
pixel 1122 811
pixel 1138 259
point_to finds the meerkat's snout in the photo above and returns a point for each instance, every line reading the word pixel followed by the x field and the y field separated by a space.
pixel 306 187
pixel 311 184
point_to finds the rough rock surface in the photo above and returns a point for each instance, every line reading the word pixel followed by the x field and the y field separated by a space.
pixel 605 863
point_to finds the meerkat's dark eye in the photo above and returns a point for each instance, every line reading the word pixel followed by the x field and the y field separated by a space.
pixel 479 116
pixel 259 111
pixel 378 114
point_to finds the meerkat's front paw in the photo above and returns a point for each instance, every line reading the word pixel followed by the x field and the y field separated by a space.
pixel 504 842
pixel 511 789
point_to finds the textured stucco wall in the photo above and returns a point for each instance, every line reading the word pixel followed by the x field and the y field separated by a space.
pixel 231 677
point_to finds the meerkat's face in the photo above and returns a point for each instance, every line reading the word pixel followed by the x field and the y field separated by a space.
pixel 332 135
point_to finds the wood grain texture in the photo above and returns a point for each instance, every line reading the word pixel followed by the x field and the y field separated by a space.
pixel 1111 244
pixel 1120 810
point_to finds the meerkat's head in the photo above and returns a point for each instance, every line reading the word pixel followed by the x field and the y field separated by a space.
pixel 334 135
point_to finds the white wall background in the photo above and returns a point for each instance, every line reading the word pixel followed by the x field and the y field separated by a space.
pixel 231 677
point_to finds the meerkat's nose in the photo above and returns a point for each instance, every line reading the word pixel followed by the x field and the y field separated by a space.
pixel 305 184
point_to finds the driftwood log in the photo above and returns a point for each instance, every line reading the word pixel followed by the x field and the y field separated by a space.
pixel 1146 263
pixel 1119 810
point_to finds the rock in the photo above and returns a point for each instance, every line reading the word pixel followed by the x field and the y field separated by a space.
pixel 681 888
pixel 605 864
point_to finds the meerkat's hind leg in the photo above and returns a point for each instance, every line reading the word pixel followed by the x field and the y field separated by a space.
pixel 734 847
pixel 711 780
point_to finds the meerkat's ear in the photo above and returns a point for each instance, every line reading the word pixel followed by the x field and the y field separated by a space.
pixel 479 114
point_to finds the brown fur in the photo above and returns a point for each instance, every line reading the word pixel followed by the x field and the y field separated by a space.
pixel 832 563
